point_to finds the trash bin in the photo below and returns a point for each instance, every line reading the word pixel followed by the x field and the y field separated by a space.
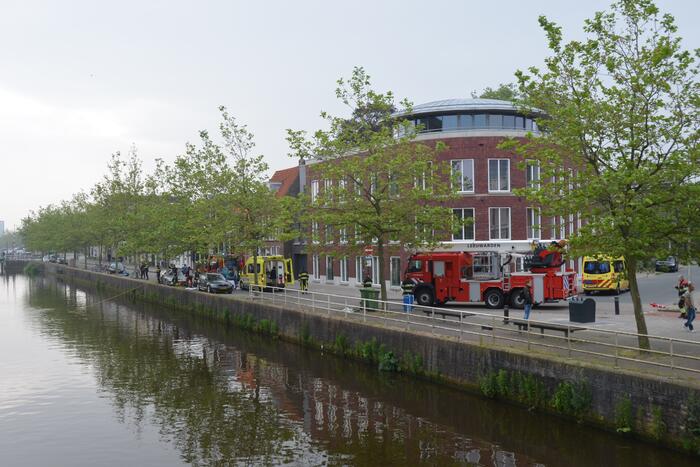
pixel 582 311
pixel 408 303
pixel 370 298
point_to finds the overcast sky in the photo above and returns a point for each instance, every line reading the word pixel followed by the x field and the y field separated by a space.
pixel 80 80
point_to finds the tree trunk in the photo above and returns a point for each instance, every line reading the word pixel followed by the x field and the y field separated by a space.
pixel 382 282
pixel 87 248
pixel 99 257
pixel 637 303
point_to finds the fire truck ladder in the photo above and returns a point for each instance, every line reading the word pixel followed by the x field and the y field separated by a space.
pixel 506 281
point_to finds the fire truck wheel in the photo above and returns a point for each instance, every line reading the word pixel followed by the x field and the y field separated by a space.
pixel 516 301
pixel 424 297
pixel 494 298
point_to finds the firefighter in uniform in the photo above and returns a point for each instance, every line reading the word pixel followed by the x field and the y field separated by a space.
pixel 407 287
pixel 304 281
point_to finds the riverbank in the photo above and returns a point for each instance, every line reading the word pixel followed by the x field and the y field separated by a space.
pixel 641 405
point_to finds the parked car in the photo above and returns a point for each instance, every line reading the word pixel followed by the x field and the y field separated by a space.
pixel 670 264
pixel 61 260
pixel 214 283
pixel 117 268
pixel 168 278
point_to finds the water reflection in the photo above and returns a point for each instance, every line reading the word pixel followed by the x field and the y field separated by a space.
pixel 220 397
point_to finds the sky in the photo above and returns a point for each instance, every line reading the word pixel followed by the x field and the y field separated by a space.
pixel 80 80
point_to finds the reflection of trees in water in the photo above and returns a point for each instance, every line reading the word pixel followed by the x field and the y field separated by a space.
pixel 153 378
pixel 217 403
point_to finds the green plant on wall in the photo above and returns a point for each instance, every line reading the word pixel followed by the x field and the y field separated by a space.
pixel 623 415
pixel 691 425
pixel 572 399
pixel 657 428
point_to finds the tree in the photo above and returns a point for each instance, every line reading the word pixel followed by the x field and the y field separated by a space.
pixel 380 187
pixel 504 92
pixel 619 141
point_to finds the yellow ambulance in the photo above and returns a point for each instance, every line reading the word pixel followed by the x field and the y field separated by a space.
pixel 272 271
pixel 604 274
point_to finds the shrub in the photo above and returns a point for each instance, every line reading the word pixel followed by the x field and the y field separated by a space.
pixel 572 399
pixel 488 385
pixel 623 415
pixel 388 361
pixel 341 346
pixel 658 427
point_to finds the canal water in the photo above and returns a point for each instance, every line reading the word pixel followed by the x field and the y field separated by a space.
pixel 88 381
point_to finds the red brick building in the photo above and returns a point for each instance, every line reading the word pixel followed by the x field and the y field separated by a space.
pixel 472 129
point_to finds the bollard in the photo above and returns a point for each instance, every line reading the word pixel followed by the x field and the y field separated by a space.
pixel 617 305
pixel 506 313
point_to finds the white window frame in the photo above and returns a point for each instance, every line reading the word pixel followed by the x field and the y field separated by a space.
pixel 328 234
pixel 510 232
pixel 461 172
pixel 314 232
pixel 342 187
pixel 533 223
pixel 315 271
pixel 498 176
pixel 391 271
pixel 344 269
pixel 464 227
pixel 532 174
pixel 314 190
pixel 329 262
pixel 562 227
pixel 343 236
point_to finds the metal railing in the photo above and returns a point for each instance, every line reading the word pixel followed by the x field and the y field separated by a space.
pixel 599 345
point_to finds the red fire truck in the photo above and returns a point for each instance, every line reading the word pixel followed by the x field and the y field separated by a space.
pixel 488 277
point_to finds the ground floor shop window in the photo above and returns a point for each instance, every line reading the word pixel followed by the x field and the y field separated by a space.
pixel 344 269
pixel 315 271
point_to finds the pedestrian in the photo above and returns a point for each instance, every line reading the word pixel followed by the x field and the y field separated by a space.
pixel 145 271
pixel 690 306
pixel 682 288
pixel 526 297
pixel 407 287
pixel 304 280
pixel 158 273
pixel 137 271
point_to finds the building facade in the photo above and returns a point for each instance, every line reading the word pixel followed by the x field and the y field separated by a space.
pixel 486 176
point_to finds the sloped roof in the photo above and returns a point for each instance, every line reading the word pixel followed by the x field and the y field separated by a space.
pixel 286 179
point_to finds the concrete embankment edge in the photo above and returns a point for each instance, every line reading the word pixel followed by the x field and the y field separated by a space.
pixel 653 399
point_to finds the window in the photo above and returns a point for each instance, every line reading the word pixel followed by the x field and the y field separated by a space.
pixel 395 273
pixel 532 174
pixel 329 268
pixel 499 175
pixel 327 189
pixel 343 235
pixel 499 223
pixel 463 175
pixel 344 269
pixel 495 121
pixel 315 272
pixel 449 122
pixel 314 190
pixel 367 267
pixel 562 227
pixel 509 121
pixel 519 123
pixel 415 266
pixel 393 185
pixel 466 121
pixel 314 231
pixel 464 225
pixel 480 121
pixel 433 123
pixel 329 233
pixel 422 182
pixel 342 186
pixel 619 265
pixel 596 267
pixel 533 223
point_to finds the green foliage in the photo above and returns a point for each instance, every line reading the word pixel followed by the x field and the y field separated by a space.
pixel 623 415
pixel 267 327
pixel 368 350
pixel 341 346
pixel 572 399
pixel 657 427
pixel 691 424
pixel 504 92
pixel 619 108
pixel 388 361
pixel 412 363
pixel 306 337
pixel 526 389
pixel 376 183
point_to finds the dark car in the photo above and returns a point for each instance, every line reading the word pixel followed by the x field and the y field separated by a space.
pixel 670 264
pixel 117 268
pixel 214 283
pixel 168 278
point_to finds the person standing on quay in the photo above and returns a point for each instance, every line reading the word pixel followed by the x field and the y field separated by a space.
pixel 158 273
pixel 407 287
pixel 526 296
pixel 304 280
pixel 690 306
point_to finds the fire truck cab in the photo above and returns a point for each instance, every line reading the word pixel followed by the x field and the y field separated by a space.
pixel 488 277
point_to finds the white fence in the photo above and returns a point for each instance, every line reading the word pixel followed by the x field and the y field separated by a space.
pixel 671 356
